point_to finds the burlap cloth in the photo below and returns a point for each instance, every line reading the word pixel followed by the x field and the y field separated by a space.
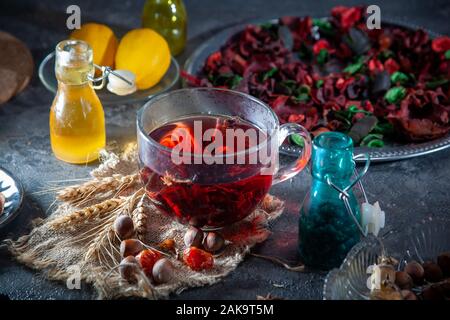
pixel 80 233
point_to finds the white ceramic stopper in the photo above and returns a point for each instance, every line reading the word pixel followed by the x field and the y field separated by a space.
pixel 372 217
pixel 120 87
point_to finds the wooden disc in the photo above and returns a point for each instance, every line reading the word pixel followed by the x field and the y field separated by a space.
pixel 8 84
pixel 14 57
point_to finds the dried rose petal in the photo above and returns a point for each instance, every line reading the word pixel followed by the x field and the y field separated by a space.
pixel 441 44
pixel 245 59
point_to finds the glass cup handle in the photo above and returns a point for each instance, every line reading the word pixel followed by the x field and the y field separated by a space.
pixel 290 170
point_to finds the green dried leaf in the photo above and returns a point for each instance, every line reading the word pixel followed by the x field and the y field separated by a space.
pixel 383 128
pixel 269 74
pixel 302 93
pixel 234 81
pixel 303 97
pixel 372 140
pixel 385 54
pixel 375 143
pixel 319 83
pixel 297 140
pixel 323 25
pixel 305 52
pixel 399 77
pixel 395 95
pixel 322 57
pixel 266 26
pixel 355 67
pixel 436 83
pixel 447 54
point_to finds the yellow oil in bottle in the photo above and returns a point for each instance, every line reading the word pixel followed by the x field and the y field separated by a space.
pixel 77 122
pixel 169 19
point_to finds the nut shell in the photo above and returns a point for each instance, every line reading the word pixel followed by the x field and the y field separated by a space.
pixel 403 280
pixel 443 261
pixel 432 293
pixel 124 227
pixel 163 271
pixel 416 272
pixel 432 271
pixel 130 247
pixel 213 242
pixel 193 237
pixel 408 295
pixel 127 268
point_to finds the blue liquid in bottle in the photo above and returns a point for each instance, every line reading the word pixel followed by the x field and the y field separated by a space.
pixel 326 230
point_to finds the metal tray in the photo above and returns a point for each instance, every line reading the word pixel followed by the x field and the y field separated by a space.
pixel 387 153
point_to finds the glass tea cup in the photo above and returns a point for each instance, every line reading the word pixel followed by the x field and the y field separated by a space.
pixel 215 189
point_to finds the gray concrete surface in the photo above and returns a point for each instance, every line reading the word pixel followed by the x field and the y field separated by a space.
pixel 408 190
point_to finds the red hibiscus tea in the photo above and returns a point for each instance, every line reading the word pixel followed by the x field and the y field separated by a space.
pixel 201 193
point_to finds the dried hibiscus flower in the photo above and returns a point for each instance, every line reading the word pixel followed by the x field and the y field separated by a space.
pixel 329 74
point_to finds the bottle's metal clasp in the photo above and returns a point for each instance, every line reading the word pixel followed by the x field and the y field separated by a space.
pixel 343 193
pixel 105 73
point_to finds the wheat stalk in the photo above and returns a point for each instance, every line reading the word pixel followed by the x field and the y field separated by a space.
pixel 81 193
pixel 106 240
pixel 94 211
pixel 140 216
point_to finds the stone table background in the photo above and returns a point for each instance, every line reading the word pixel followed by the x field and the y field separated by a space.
pixel 409 190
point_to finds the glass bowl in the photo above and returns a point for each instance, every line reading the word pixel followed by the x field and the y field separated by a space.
pixel 170 79
pixel 425 241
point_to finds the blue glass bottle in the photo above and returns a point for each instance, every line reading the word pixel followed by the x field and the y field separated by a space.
pixel 326 231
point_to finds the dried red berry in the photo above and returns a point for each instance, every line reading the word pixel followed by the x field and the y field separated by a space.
pixel 441 44
pixel 147 259
pixel 168 245
pixel 391 66
pixel 198 259
pixel 319 45
pixel 348 16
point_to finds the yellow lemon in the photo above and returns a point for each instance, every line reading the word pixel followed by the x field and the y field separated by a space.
pixel 102 40
pixel 145 53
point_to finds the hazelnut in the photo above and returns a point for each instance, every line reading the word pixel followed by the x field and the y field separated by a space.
pixel 443 261
pixel 124 227
pixel 130 247
pixel 403 280
pixel 415 270
pixel 432 272
pixel 432 293
pixel 128 268
pixel 213 242
pixel 408 295
pixel 193 237
pixel 162 271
